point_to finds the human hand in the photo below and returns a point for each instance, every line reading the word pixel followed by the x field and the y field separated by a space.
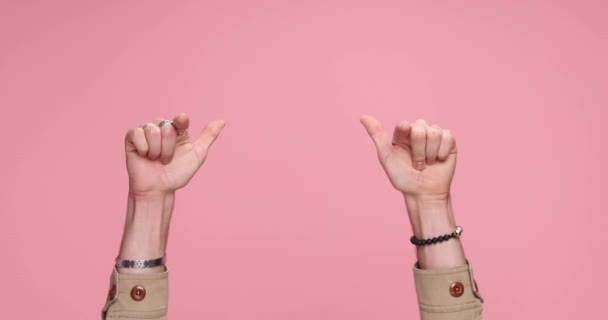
pixel 160 161
pixel 419 160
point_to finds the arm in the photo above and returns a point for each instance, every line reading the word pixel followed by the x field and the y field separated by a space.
pixel 160 160
pixel 420 162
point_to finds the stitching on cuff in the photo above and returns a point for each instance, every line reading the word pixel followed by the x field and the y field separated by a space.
pixel 451 308
pixel 440 272
pixel 151 276
pixel 153 314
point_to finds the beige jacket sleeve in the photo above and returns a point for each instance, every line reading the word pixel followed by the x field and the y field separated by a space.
pixel 141 296
pixel 448 294
pixel 442 294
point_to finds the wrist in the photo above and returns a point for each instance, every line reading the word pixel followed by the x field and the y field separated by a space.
pixel 427 199
pixel 430 216
pixel 150 196
pixel 149 206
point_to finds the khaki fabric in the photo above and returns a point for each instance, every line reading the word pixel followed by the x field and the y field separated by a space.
pixel 432 288
pixel 435 298
pixel 123 307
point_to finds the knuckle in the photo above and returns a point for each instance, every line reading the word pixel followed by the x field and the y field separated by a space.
pixel 129 133
pixel 376 128
pixel 433 133
pixel 403 124
pixel 132 134
pixel 152 130
pixel 448 135
pixel 418 133
pixel 213 131
pixel 167 129
pixel 200 151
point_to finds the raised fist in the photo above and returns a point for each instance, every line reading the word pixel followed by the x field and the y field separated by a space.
pixel 160 156
pixel 419 159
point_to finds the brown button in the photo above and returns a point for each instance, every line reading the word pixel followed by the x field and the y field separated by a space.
pixel 138 293
pixel 112 293
pixel 456 289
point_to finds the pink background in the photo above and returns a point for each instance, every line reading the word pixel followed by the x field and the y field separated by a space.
pixel 292 217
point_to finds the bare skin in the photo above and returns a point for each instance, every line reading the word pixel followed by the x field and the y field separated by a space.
pixel 419 160
pixel 159 162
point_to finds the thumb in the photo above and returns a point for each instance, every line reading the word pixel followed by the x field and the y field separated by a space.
pixel 376 132
pixel 209 134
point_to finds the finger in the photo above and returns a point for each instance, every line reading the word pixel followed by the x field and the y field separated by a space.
pixel 418 144
pixel 401 135
pixel 152 132
pixel 181 123
pixel 448 145
pixel 135 141
pixel 168 140
pixel 209 134
pixel 376 132
pixel 433 141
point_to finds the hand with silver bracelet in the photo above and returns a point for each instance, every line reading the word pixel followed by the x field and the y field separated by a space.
pixel 161 158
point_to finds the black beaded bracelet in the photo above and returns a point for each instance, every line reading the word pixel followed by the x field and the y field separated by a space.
pixel 445 237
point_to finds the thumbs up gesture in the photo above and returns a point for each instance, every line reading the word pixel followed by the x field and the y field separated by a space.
pixel 162 157
pixel 419 159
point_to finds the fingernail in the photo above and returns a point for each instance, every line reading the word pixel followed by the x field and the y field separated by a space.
pixel 419 165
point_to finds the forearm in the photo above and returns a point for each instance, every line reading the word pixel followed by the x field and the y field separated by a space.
pixel 431 217
pixel 444 280
pixel 420 161
pixel 161 158
pixel 142 293
pixel 146 229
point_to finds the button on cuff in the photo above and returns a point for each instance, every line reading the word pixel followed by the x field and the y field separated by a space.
pixel 446 289
pixel 137 295
pixel 456 289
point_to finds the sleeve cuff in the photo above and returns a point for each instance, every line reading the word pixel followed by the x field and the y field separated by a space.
pixel 447 290
pixel 142 296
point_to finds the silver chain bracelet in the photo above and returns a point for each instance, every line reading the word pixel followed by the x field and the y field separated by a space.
pixel 140 264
